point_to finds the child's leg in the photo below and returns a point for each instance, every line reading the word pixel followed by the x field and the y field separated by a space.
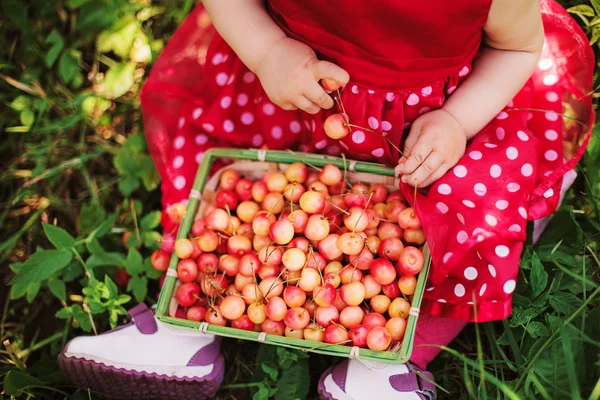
pixel 432 332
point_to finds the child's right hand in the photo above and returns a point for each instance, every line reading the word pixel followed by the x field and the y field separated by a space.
pixel 290 74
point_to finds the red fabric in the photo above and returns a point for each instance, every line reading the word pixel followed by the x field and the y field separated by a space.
pixel 474 217
pixel 431 333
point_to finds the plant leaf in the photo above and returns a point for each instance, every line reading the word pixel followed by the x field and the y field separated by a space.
pixel 33 288
pixel 113 290
pixel 134 264
pixel 58 288
pixel 41 265
pixel 57 43
pixel 536 329
pixel 15 382
pixel 68 65
pixel 538 276
pixel 58 237
pixel 582 9
pixel 128 185
pixel 18 291
pixel 64 313
pixel 151 220
pixel 294 381
pixel 565 303
pixel 118 80
pixel 90 217
pixel 271 371
pixel 138 285
pixel 81 317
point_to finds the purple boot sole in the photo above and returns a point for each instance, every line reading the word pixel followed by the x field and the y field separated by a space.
pixel 117 383
pixel 323 393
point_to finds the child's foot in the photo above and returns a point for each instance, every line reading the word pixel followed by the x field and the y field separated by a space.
pixel 363 380
pixel 145 359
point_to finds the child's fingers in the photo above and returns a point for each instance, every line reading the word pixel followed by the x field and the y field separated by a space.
pixel 306 105
pixel 415 159
pixel 425 170
pixel 325 69
pixel 318 96
pixel 441 171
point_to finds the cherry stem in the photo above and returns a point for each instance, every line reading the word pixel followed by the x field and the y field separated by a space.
pixel 342 210
pixel 307 163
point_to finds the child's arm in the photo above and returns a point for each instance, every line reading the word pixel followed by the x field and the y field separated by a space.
pixel 288 70
pixel 513 40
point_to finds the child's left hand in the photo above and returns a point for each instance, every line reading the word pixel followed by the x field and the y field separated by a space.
pixel 435 144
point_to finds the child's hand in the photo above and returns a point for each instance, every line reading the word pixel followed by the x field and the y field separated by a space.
pixel 290 75
pixel 436 142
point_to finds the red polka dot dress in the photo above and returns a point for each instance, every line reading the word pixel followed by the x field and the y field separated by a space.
pixel 403 62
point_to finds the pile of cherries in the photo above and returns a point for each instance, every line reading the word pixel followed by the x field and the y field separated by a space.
pixel 301 253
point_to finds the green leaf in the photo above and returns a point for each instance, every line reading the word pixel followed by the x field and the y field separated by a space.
pixel 286 357
pixel 76 3
pixel 151 240
pixel 128 185
pixel 21 103
pixel 565 303
pixel 58 288
pixel 149 269
pixel 150 178
pixel 18 291
pixel 151 220
pixel 104 227
pixel 134 264
pixel 58 237
pixel 582 9
pixel 33 288
pixel 73 271
pixel 538 277
pixel 271 371
pixel 41 265
pixel 64 313
pixel 68 65
pixel 138 285
pixel 123 299
pixel 118 80
pixel 596 5
pixel 264 392
pixel 57 43
pixel 294 382
pixel 15 382
pixel 27 117
pixel 16 12
pixel 109 259
pixel 133 242
pixel 96 306
pixel 119 39
pixel 112 287
pixel 595 34
pixel 536 329
pixel 81 318
pixel 90 217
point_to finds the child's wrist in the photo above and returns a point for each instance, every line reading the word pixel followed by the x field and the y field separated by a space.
pixel 255 64
pixel 448 111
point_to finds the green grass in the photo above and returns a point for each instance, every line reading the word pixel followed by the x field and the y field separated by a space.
pixel 73 155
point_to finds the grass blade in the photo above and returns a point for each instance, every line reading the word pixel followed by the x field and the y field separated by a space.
pixel 489 377
pixel 570 365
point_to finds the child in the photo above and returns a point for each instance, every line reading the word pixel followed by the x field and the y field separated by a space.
pixel 436 77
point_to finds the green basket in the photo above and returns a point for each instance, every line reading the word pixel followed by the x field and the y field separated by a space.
pixel 399 356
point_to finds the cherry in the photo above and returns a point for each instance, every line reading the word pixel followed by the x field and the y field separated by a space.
pixel 187 294
pixel 187 270
pixel 335 126
pixel 160 260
